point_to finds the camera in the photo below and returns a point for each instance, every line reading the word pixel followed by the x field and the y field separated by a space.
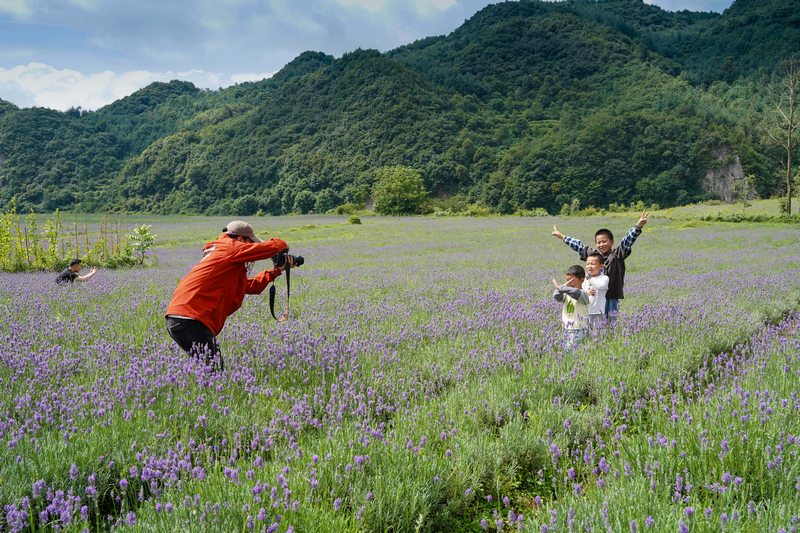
pixel 279 260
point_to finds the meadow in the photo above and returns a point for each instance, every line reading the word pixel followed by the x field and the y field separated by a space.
pixel 419 385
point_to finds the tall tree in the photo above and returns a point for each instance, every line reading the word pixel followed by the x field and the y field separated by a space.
pixel 786 121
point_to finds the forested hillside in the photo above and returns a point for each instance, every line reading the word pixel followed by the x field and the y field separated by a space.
pixel 527 105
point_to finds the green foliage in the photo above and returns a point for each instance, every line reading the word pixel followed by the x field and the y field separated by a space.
pixel 639 206
pixel 325 201
pixel 744 189
pixel 742 217
pixel 304 202
pixel 346 209
pixel 7 236
pixel 537 212
pixel 22 245
pixel 141 240
pixel 354 219
pixel 148 114
pixel 246 205
pixel 783 205
pixel 528 105
pixel 399 191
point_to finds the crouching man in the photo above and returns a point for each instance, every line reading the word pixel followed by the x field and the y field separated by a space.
pixel 71 273
pixel 215 287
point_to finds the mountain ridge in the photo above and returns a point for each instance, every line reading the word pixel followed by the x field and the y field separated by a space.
pixel 526 105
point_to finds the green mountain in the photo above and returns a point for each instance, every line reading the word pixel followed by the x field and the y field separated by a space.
pixel 527 105
pixel 147 115
pixel 50 159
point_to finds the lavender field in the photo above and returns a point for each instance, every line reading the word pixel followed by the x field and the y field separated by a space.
pixel 419 386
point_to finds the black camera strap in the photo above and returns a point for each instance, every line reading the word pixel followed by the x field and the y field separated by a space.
pixel 272 292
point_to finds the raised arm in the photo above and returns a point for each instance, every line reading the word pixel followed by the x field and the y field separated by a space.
pixel 87 276
pixel 573 292
pixel 627 242
pixel 244 252
pixel 557 294
pixel 572 242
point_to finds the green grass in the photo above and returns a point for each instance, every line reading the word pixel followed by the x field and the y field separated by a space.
pixel 769 207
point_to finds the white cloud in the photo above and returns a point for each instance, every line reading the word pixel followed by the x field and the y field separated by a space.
pixel 19 8
pixel 37 84
pixel 253 76
pixel 368 5
pixel 434 6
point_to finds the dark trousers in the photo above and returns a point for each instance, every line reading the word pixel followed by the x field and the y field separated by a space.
pixel 196 340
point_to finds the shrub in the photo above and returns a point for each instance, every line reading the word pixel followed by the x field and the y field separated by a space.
pixel 25 248
pixel 354 219
pixel 589 212
pixel 345 209
pixel 741 217
pixel 304 202
pixel 399 191
pixel 536 212
pixel 245 205
pixel 475 210
pixel 325 201
pixel 448 204
pixel 141 240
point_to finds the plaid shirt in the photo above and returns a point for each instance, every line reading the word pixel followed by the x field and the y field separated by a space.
pixel 614 261
pixel 625 245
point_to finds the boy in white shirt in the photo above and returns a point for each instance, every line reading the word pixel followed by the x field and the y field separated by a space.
pixel 596 286
pixel 575 308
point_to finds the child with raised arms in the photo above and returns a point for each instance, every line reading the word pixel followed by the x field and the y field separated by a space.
pixel 613 258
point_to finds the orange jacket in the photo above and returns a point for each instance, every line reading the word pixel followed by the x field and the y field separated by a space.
pixel 215 287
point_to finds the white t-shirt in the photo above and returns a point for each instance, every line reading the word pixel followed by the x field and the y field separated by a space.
pixel 597 303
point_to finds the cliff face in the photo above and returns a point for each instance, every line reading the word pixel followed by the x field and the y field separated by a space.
pixel 721 179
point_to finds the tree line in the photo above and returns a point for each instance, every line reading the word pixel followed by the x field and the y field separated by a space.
pixel 528 105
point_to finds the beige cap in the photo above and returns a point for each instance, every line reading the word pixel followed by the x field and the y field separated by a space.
pixel 242 229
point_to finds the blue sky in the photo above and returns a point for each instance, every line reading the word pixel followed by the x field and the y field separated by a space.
pixel 88 53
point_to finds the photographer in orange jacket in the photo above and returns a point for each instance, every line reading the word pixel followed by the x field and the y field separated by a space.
pixel 215 287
